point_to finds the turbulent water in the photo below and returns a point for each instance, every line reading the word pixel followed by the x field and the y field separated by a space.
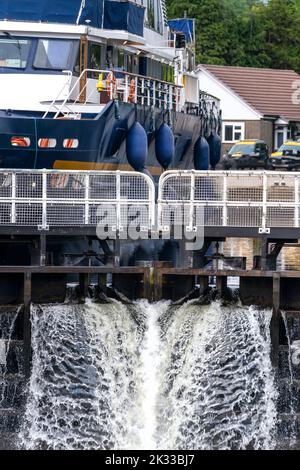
pixel 116 376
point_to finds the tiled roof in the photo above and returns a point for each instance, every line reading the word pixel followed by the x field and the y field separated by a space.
pixel 268 91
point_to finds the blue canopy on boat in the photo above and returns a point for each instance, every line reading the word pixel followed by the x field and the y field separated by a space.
pixel 52 11
pixel 97 13
pixel 124 15
pixel 183 25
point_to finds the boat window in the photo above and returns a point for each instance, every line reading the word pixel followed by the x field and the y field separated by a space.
pixel 121 58
pixel 167 73
pixel 155 69
pixel 129 67
pixel 71 143
pixel 110 57
pixel 150 21
pixel 14 52
pixel 54 54
pixel 20 141
pixel 95 56
pixel 47 143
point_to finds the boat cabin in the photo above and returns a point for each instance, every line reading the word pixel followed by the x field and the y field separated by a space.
pixel 53 55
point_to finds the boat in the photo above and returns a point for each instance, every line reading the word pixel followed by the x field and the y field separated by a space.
pixel 77 76
pixel 90 85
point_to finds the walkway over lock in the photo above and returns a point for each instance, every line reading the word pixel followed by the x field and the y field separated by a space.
pixel 46 198
pixel 227 203
pixel 237 199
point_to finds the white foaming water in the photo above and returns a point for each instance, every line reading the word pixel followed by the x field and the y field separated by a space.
pixel 2 352
pixel 291 431
pixel 150 361
pixel 83 392
pixel 217 385
pixel 150 377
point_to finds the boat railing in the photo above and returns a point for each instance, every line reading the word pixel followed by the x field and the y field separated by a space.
pixel 120 85
pixel 48 198
pixel 256 199
pixel 58 97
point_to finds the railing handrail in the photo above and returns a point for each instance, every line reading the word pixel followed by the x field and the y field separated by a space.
pixel 272 196
pixel 22 190
pixel 77 82
pixel 146 77
pixel 110 72
pixel 69 75
pixel 257 199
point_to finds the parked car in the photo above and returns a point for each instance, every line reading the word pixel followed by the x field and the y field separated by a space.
pixel 246 154
pixel 287 157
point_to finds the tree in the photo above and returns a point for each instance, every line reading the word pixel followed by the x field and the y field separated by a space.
pixel 216 28
pixel 282 25
pixel 256 33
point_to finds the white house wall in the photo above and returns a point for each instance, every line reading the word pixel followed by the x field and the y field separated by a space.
pixel 233 108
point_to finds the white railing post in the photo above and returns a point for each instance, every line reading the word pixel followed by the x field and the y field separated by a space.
pixel 159 95
pixel 177 98
pixel 135 89
pixel 151 201
pixel 192 202
pixel 111 93
pixel 143 91
pixel 225 212
pixel 118 194
pixel 126 91
pixel 166 90
pixel 148 93
pixel 265 198
pixel 296 221
pixel 159 204
pixel 87 195
pixel 170 97
pixel 13 197
pixel 44 203
pixel 154 93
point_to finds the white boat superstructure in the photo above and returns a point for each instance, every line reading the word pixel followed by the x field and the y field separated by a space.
pixel 42 60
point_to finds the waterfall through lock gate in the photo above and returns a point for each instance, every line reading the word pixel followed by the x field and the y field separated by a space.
pixel 150 376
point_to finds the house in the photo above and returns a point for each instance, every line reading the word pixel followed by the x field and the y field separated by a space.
pixel 256 103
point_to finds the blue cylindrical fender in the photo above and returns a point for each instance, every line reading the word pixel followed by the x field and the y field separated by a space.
pixel 214 142
pixel 137 147
pixel 164 146
pixel 201 154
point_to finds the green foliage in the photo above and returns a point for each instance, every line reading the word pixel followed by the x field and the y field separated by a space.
pixel 253 33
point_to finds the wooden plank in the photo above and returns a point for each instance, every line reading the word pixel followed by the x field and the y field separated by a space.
pixel 274 326
pixel 221 285
pixel 84 284
pixel 204 284
pixel 148 287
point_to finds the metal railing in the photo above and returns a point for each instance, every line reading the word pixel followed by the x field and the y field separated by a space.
pixel 58 97
pixel 46 198
pixel 148 91
pixel 120 199
pixel 264 200
pixel 121 85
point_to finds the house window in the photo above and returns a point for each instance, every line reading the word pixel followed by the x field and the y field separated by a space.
pixel 233 131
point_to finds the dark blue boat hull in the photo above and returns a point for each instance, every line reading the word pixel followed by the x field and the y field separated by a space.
pixel 95 139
